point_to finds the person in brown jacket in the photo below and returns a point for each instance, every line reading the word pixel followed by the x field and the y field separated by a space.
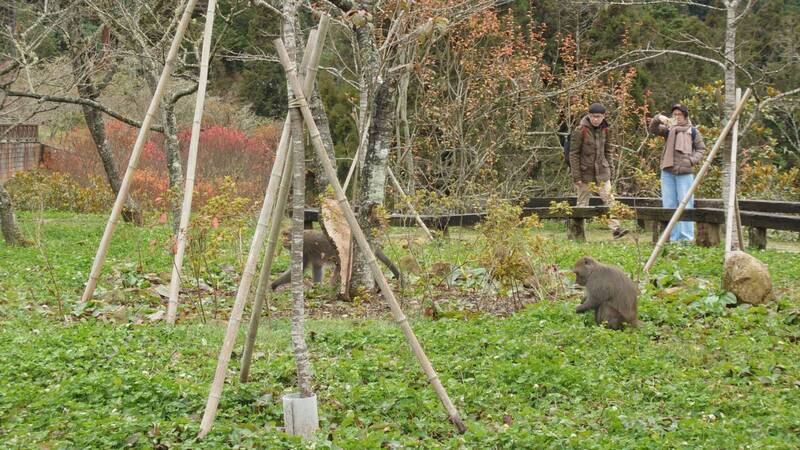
pixel 683 149
pixel 589 160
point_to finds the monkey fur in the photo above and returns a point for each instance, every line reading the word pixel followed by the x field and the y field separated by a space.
pixel 319 250
pixel 610 292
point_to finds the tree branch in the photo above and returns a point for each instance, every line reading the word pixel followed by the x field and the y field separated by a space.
pixel 659 52
pixel 177 95
pixel 754 116
pixel 745 11
pixel 652 2
pixel 83 102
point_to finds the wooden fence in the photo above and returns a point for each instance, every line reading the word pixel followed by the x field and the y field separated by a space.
pixel 19 149
pixel 758 215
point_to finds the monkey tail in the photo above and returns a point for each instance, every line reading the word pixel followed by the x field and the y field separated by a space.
pixel 392 267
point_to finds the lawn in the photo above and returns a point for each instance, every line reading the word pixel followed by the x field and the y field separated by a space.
pixel 699 374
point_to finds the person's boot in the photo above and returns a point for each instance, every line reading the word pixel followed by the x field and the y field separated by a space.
pixel 619 232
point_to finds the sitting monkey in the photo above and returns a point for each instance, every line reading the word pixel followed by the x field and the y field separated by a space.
pixel 319 250
pixel 610 292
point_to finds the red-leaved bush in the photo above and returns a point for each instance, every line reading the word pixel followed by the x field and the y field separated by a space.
pixel 222 151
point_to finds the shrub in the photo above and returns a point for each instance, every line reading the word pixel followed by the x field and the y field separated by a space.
pixel 223 151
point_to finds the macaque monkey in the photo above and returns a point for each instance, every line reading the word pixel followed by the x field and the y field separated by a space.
pixel 318 250
pixel 610 292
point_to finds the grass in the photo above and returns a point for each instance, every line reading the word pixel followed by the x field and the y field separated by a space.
pixel 698 375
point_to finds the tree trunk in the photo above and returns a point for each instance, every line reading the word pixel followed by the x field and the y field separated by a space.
pixel 96 125
pixel 174 168
pixel 730 95
pixel 372 178
pixel 321 119
pixel 403 129
pixel 302 361
pixel 83 60
pixel 8 221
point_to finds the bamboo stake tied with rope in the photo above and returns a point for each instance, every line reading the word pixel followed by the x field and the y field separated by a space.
pixel 361 239
pixel 215 392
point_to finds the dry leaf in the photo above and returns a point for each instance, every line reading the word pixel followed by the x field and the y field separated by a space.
pixel 339 231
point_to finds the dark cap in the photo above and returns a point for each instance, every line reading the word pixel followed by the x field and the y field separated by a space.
pixel 597 108
pixel 681 108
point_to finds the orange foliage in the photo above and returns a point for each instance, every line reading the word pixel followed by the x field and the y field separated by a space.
pixel 222 151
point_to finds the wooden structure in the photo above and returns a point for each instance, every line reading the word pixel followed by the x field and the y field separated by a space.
pixel 20 149
pixel 759 215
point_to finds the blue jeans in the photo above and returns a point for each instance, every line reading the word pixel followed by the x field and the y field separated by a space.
pixel 673 189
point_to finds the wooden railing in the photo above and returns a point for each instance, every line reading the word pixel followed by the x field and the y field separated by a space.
pixel 758 215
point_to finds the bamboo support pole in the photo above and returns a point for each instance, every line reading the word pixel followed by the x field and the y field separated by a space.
pixel 248 272
pixel 397 313
pixel 124 189
pixel 191 165
pixel 263 291
pixel 408 203
pixel 731 214
pixel 352 169
pixel 699 178
pixel 361 145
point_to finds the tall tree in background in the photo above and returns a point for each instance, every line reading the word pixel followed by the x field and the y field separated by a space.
pixel 93 68
pixel 146 31
pixel 8 220
pixel 390 39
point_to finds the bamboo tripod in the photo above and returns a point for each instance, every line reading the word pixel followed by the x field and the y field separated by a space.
pixel 124 189
pixel 276 179
pixel 699 178
pixel 397 313
pixel 280 176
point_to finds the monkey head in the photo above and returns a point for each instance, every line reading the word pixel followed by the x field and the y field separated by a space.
pixel 583 267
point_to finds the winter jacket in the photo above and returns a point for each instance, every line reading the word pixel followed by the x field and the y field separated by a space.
pixel 590 152
pixel 682 163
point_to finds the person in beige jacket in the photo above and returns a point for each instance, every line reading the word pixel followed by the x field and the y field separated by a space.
pixel 683 150
pixel 590 155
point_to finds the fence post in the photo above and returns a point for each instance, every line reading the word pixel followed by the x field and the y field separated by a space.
pixel 757 238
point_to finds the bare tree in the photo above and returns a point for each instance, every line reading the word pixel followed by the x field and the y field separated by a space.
pixel 93 68
pixel 386 40
pixel 93 64
pixel 141 32
pixel 8 221
pixel 144 29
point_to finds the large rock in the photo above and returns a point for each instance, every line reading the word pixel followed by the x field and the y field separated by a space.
pixel 748 278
